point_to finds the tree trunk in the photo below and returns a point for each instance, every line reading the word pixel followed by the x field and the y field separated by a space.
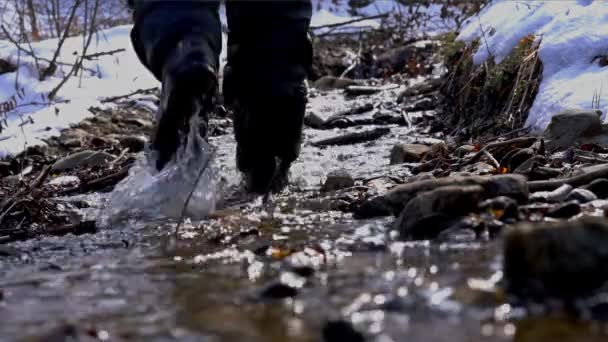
pixel 33 20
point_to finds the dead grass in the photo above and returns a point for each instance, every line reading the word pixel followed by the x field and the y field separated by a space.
pixel 489 99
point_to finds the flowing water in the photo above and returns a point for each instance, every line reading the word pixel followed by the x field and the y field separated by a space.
pixel 260 271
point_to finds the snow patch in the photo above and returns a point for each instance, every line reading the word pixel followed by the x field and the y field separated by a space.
pixel 572 34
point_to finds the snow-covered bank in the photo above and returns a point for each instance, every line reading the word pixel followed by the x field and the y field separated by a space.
pixel 110 75
pixel 573 38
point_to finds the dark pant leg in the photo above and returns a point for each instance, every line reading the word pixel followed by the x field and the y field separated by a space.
pixel 269 56
pixel 161 24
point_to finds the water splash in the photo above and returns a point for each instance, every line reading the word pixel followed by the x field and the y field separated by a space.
pixel 149 194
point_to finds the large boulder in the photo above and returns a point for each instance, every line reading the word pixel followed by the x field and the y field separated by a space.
pixel 565 259
pixel 572 126
pixel 429 213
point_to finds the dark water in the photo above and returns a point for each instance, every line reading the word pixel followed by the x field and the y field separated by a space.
pixel 134 281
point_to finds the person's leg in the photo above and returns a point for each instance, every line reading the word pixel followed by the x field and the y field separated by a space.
pixel 269 56
pixel 179 42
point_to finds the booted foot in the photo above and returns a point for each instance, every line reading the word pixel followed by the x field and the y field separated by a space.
pixel 187 90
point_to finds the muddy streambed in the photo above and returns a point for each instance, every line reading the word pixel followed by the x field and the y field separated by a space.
pixel 295 268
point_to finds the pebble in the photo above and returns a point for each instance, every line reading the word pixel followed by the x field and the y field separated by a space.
pixel 338 179
pixel 566 210
pixel 581 196
pixel 134 143
pixel 408 153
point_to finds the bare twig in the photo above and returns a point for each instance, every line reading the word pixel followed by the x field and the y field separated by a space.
pixel 187 202
pixel 136 92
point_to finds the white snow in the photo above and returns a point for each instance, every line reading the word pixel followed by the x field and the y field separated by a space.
pixel 114 75
pixel 571 35
pixel 324 17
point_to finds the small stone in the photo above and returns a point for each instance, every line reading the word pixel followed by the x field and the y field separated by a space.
pixel 431 212
pixel 566 210
pixel 581 196
pixel 570 126
pixel 81 159
pixel 313 120
pixel 464 150
pixel 520 157
pixel 558 195
pixel 338 179
pixel 134 143
pixel 564 259
pixel 599 187
pixel 65 181
pixel 341 331
pixel 408 153
pixel 278 291
pixel 332 82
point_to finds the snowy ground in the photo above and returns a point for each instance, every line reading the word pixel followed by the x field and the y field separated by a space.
pixel 572 35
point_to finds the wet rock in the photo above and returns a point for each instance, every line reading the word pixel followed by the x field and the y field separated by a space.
pixel 439 150
pixel 558 195
pixel 599 187
pixel 520 157
pixel 514 186
pixel 374 207
pixel 313 120
pixel 71 143
pixel 134 143
pixel 528 166
pixel 81 159
pixel 503 208
pixel 429 213
pixel 341 331
pixel 332 82
pixel 570 126
pixel 564 259
pixel 338 179
pixel 565 210
pixel 278 290
pixel 581 196
pixel 463 150
pixel 408 153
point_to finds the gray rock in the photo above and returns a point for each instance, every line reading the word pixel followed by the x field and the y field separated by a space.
pixel 429 213
pixel 313 120
pixel 332 82
pixel 565 210
pixel 338 179
pixel 425 103
pixel 599 187
pixel 81 159
pixel 571 126
pixel 134 143
pixel 514 186
pixel 565 259
pixel 506 205
pixel 408 153
pixel 520 157
pixel 581 196
pixel 558 195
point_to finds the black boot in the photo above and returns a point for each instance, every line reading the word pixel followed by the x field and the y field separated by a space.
pixel 188 86
pixel 268 134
